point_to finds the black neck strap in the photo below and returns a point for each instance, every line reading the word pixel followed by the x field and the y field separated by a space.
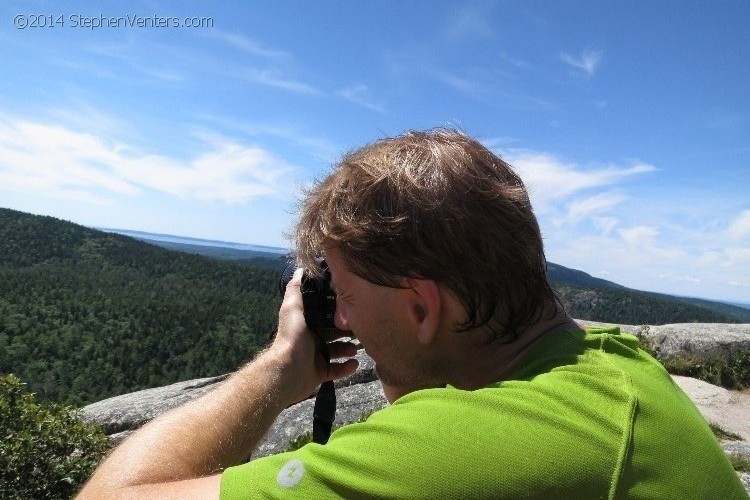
pixel 324 412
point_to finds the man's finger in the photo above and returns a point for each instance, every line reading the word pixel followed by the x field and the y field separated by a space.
pixel 340 350
pixel 340 370
pixel 333 334
pixel 292 295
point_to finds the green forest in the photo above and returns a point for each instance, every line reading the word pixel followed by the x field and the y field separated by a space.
pixel 85 315
pixel 631 307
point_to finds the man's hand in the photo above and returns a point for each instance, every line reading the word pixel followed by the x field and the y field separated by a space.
pixel 300 348
pixel 181 453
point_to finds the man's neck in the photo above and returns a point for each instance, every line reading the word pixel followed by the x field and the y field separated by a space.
pixel 495 361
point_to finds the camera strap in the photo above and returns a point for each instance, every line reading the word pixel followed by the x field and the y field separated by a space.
pixel 324 411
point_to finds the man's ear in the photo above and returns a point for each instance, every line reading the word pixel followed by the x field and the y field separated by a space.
pixel 425 307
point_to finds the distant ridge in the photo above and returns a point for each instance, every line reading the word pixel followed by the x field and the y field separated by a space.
pixel 241 253
pixel 561 274
pixel 586 296
pixel 171 238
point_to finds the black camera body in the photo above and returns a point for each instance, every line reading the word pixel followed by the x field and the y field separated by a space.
pixel 319 300
pixel 319 305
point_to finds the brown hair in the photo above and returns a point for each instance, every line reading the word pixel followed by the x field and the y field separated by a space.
pixel 435 205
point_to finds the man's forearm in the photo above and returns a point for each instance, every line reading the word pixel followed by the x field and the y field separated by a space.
pixel 202 437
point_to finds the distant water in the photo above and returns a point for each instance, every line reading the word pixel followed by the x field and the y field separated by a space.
pixel 194 241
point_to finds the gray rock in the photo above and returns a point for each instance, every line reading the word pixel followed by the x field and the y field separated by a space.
pixel 738 448
pixel 120 415
pixel 130 411
pixel 690 342
pixel 698 341
pixel 351 403
pixel 745 478
pixel 730 410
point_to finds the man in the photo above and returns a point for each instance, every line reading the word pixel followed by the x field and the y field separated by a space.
pixel 495 392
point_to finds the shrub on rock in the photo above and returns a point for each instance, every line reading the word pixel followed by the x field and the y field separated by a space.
pixel 45 450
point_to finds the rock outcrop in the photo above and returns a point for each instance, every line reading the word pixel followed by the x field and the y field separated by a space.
pixel 121 415
pixel 691 342
pixel 361 392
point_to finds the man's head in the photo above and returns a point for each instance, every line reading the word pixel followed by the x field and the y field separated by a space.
pixel 434 205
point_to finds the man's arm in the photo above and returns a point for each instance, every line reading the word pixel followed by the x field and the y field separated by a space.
pixel 181 453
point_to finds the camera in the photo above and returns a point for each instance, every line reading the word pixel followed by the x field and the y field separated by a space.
pixel 318 299
pixel 319 305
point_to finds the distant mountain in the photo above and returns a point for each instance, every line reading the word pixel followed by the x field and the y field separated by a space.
pixel 171 238
pixel 574 277
pixel 736 312
pixel 265 256
pixel 587 297
pixel 580 288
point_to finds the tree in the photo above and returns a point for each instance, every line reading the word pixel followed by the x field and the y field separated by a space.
pixel 45 450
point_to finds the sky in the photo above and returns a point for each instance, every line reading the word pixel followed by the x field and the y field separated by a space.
pixel 628 121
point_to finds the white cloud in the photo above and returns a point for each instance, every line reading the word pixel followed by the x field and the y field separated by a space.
pixel 360 94
pixel 470 21
pixel 273 78
pixel 320 148
pixel 587 61
pixel 549 179
pixel 586 207
pixel 674 277
pixel 639 236
pixel 469 86
pixel 740 226
pixel 737 258
pixel 248 45
pixel 512 60
pixel 605 224
pixel 53 161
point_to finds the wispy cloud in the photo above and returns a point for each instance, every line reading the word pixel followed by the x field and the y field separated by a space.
pixel 110 59
pixel 470 21
pixel 54 161
pixel 360 94
pixel 739 227
pixel 518 63
pixel 639 236
pixel 551 179
pixel 274 78
pixel 247 45
pixel 587 61
pixel 486 86
pixel 465 85
pixel 315 146
pixel 605 224
pixel 587 207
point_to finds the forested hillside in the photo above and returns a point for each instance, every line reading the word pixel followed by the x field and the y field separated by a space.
pixel 632 307
pixel 580 289
pixel 85 314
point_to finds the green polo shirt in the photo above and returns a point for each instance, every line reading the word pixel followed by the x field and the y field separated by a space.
pixel 586 415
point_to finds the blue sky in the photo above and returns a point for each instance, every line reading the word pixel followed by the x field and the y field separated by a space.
pixel 629 121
